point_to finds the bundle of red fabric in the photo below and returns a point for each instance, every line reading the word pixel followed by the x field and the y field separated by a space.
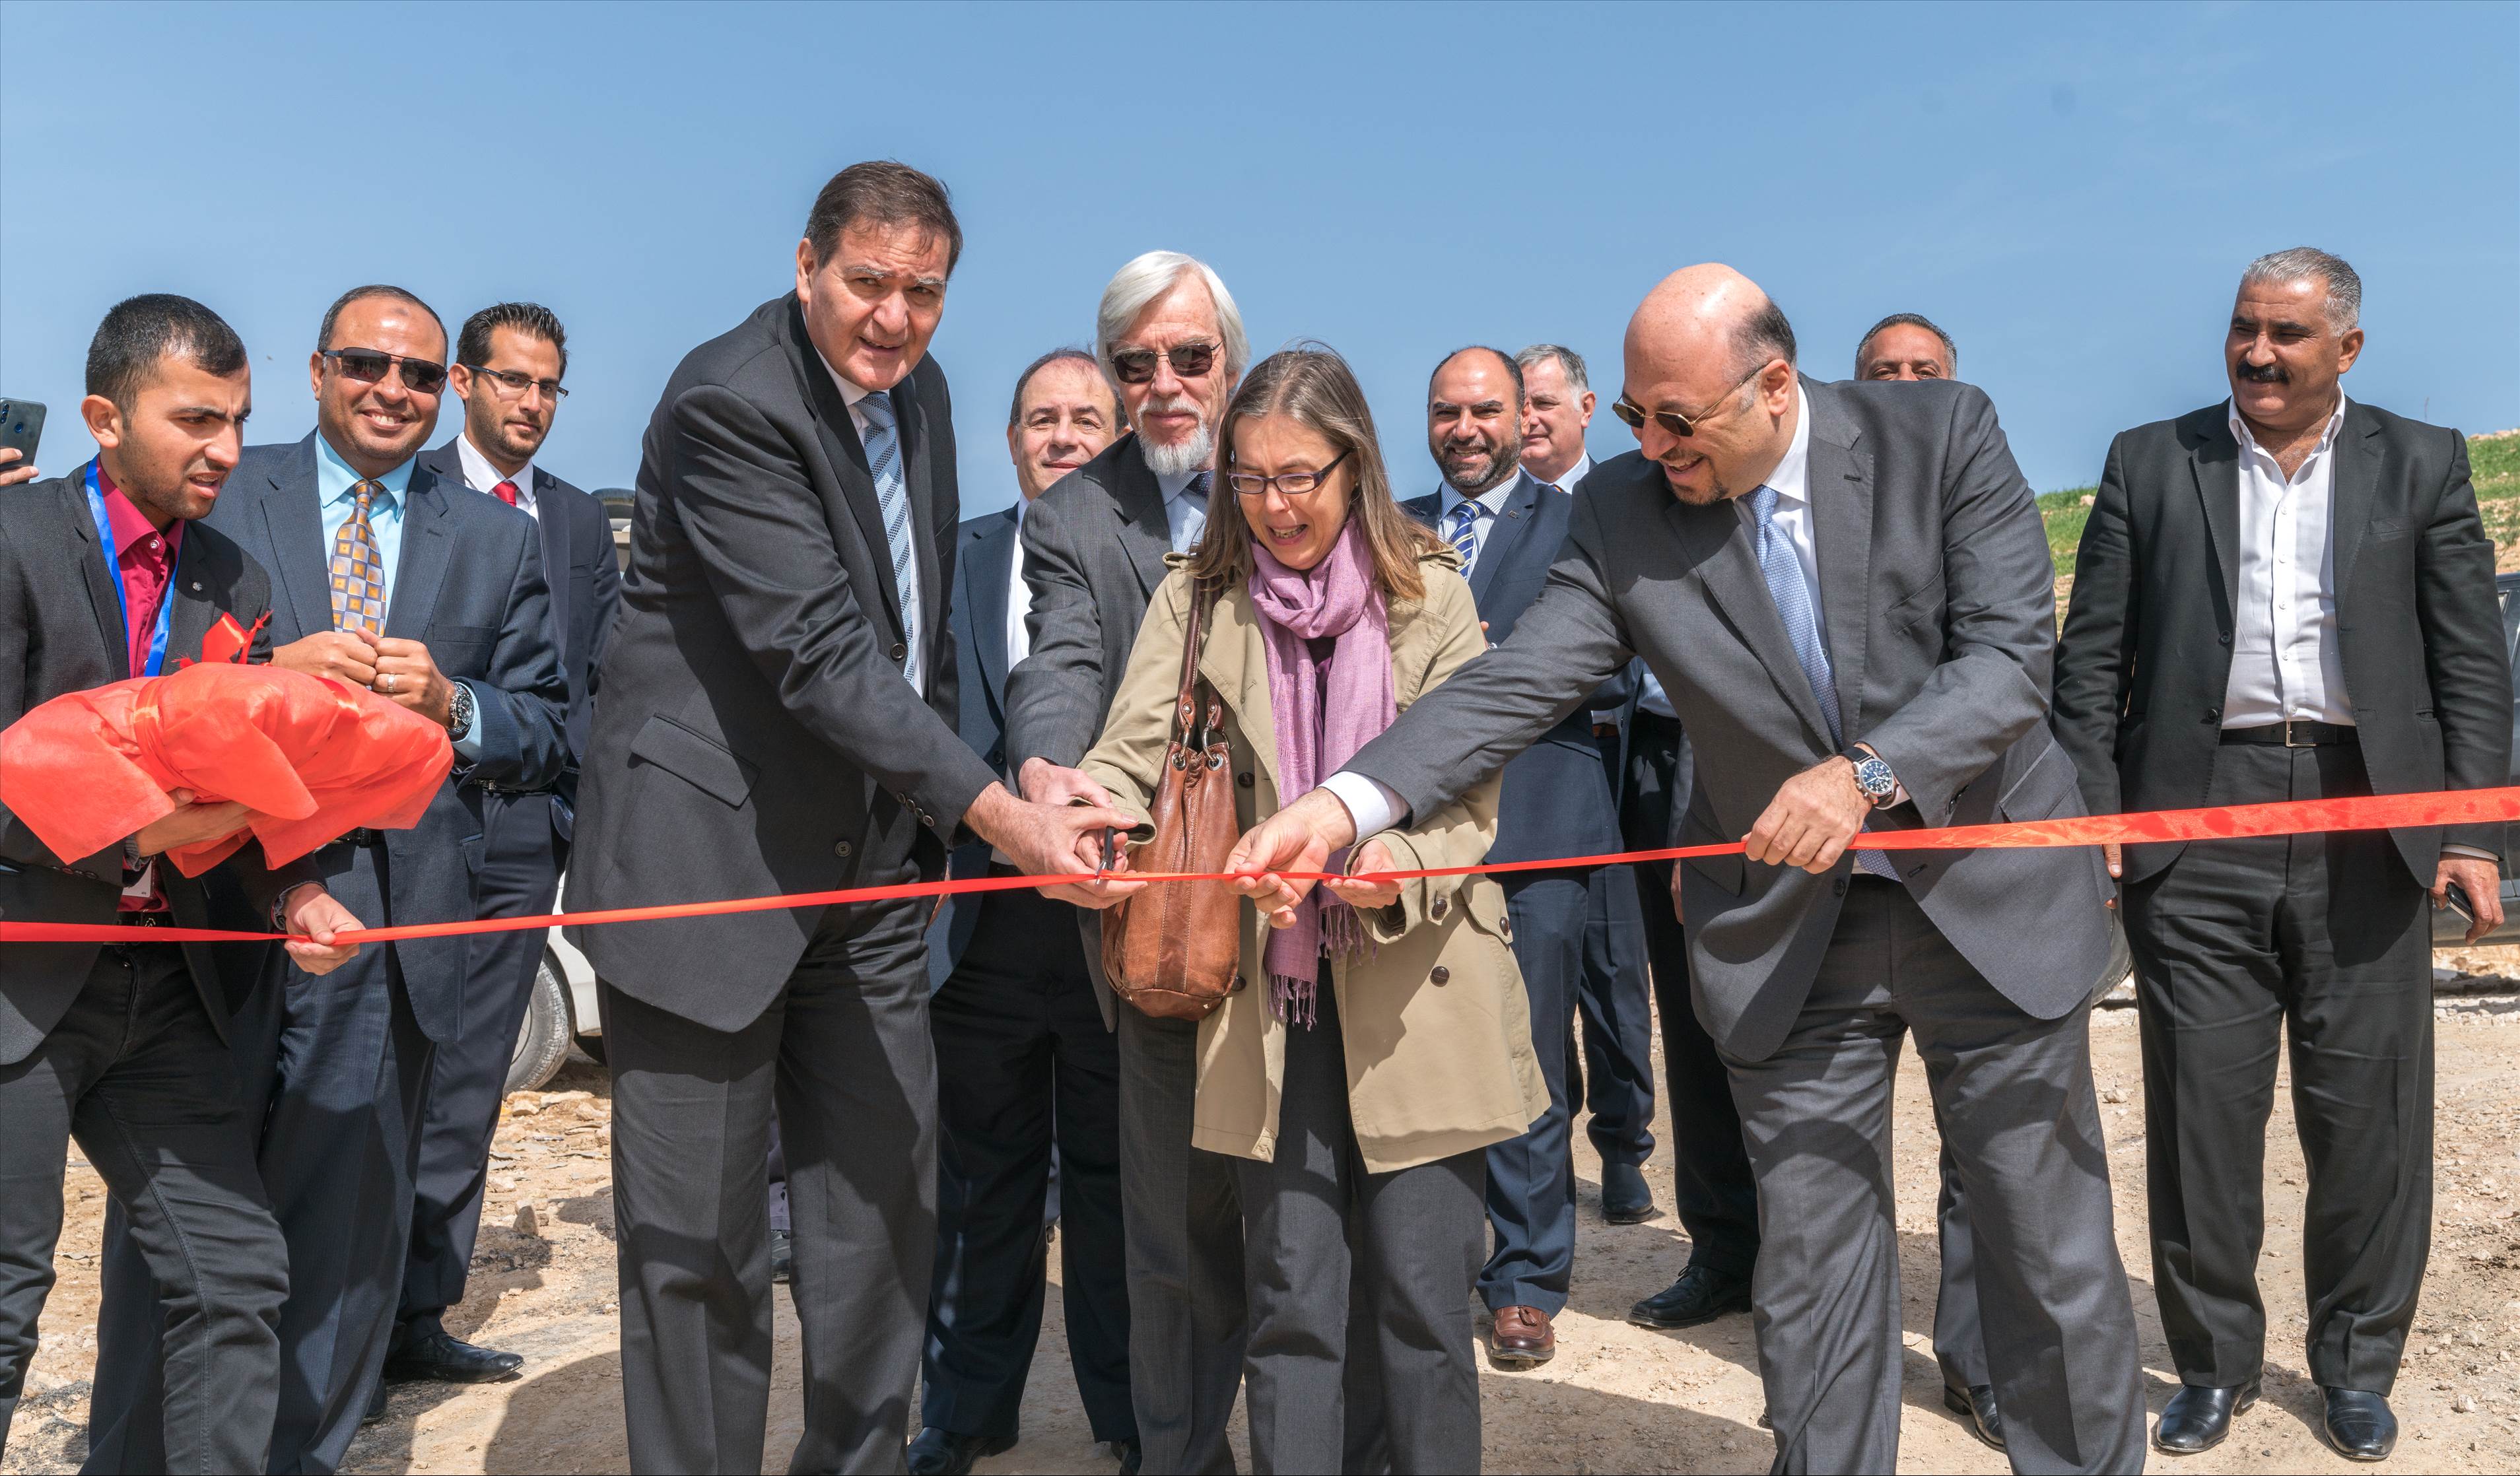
pixel 311 757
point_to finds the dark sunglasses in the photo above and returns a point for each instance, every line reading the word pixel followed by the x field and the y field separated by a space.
pixel 368 366
pixel 518 384
pixel 1135 365
pixel 1290 483
pixel 1672 421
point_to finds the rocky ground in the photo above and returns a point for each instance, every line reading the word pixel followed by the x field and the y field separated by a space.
pixel 1616 1398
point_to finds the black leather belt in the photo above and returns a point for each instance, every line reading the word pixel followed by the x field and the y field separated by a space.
pixel 509 792
pixel 362 836
pixel 2295 732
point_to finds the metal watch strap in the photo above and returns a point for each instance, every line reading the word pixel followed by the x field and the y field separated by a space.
pixel 459 708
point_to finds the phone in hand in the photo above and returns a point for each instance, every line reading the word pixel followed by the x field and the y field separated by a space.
pixel 21 428
pixel 2457 899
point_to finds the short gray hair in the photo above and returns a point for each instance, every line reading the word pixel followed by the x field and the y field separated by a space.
pixel 1149 276
pixel 2300 264
pixel 1567 359
pixel 1951 350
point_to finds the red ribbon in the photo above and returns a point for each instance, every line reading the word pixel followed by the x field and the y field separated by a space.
pixel 2301 817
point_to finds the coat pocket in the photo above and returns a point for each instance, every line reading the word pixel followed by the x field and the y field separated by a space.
pixel 703 763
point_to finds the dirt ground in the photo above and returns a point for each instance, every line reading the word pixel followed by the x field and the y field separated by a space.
pixel 1618 1398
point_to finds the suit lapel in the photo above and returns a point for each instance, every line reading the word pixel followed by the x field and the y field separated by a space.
pixel 1505 533
pixel 102 574
pixel 1146 534
pixel 1719 543
pixel 554 525
pixel 422 565
pixel 2214 460
pixel 195 612
pixel 293 521
pixel 847 455
pixel 2353 486
pixel 1840 484
pixel 988 568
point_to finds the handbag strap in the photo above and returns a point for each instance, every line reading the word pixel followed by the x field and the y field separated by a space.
pixel 1186 707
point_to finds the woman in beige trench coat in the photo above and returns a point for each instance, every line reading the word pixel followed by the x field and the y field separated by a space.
pixel 1379 1044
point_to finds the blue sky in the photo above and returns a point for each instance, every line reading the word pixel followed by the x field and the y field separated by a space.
pixel 2071 189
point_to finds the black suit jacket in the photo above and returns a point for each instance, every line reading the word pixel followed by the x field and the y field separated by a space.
pixel 469 585
pixel 1556 799
pixel 982 568
pixel 61 631
pixel 2146 653
pixel 585 580
pixel 755 735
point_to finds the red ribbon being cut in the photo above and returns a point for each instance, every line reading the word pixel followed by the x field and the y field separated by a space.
pixel 2307 817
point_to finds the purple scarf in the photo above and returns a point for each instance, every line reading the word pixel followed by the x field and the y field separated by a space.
pixel 1322 714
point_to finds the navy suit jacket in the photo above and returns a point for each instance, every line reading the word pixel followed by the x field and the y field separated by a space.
pixel 983 564
pixel 469 585
pixel 1556 799
pixel 585 579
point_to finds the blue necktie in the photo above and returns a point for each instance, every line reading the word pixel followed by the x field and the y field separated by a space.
pixel 1784 575
pixel 1464 534
pixel 884 459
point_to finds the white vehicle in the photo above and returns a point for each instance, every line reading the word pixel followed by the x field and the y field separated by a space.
pixel 559 1012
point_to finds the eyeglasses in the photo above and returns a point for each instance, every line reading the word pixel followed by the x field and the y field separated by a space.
pixel 1289 483
pixel 368 366
pixel 1672 421
pixel 1135 365
pixel 518 384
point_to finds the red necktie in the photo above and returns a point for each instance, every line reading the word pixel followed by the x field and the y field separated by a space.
pixel 506 492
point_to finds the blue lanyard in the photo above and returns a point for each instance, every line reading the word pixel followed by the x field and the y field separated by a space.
pixel 113 569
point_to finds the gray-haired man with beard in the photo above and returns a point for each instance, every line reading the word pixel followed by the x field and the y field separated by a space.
pixel 1171 340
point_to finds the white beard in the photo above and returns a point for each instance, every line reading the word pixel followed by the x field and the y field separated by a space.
pixel 1183 458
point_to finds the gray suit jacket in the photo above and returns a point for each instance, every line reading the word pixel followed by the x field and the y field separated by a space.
pixel 1938 604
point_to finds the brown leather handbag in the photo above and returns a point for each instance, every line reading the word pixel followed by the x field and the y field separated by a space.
pixel 1171 949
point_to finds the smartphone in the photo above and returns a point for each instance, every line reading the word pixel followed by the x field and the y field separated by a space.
pixel 21 428
pixel 2456 896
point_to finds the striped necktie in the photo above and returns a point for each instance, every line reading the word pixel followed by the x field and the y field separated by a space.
pixel 358 571
pixel 884 459
pixel 1784 571
pixel 1464 535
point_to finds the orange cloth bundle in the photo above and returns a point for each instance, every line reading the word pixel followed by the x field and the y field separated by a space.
pixel 312 758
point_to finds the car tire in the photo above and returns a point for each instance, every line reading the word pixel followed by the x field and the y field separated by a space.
pixel 542 1041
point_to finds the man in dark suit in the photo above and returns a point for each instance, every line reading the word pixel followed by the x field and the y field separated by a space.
pixel 1555 802
pixel 2288 595
pixel 1846 593
pixel 1025 1066
pixel 1612 1073
pixel 777 718
pixel 1170 337
pixel 107 574
pixel 434 598
pixel 508 361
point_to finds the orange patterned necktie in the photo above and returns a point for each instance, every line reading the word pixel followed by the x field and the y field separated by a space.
pixel 358 571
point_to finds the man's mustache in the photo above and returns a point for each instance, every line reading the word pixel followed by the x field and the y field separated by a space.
pixel 2265 374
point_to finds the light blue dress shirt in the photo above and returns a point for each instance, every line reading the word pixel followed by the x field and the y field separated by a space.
pixel 337 497
pixel 1184 516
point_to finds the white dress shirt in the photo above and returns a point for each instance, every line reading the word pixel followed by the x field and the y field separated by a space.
pixel 2284 659
pixel 915 668
pixel 481 476
pixel 1574 477
pixel 1019 594
pixel 1491 500
pixel 1185 517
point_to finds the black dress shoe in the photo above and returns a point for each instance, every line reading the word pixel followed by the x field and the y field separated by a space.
pixel 2197 1417
pixel 1130 1455
pixel 942 1453
pixel 1976 1403
pixel 375 1411
pixel 2358 1424
pixel 783 1258
pixel 1626 1200
pixel 443 1357
pixel 1699 1296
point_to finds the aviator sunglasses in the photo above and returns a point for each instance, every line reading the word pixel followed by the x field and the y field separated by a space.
pixel 368 366
pixel 1135 365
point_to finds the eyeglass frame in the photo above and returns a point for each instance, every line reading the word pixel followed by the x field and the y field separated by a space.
pixel 1623 407
pixel 553 389
pixel 1215 352
pixel 394 366
pixel 1269 484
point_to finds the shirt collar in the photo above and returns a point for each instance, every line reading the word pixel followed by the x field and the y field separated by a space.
pixel 1173 485
pixel 2249 443
pixel 1493 498
pixel 335 480
pixel 850 391
pixel 131 526
pixel 1582 468
pixel 481 476
pixel 1791 479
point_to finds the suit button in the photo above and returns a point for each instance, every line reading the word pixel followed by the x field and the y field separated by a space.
pixel 1243 779
pixel 997 756
pixel 2226 637
pixel 899 650
pixel 1839 886
pixel 1438 908
pixel 1238 983
pixel 2213 714
pixel 842 849
pixel 1441 975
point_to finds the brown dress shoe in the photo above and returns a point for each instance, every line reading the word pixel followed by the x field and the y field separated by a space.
pixel 1522 1338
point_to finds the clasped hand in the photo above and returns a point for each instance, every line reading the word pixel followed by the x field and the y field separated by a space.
pixel 400 670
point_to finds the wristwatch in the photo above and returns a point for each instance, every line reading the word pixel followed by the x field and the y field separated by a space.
pixel 1872 776
pixel 459 708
